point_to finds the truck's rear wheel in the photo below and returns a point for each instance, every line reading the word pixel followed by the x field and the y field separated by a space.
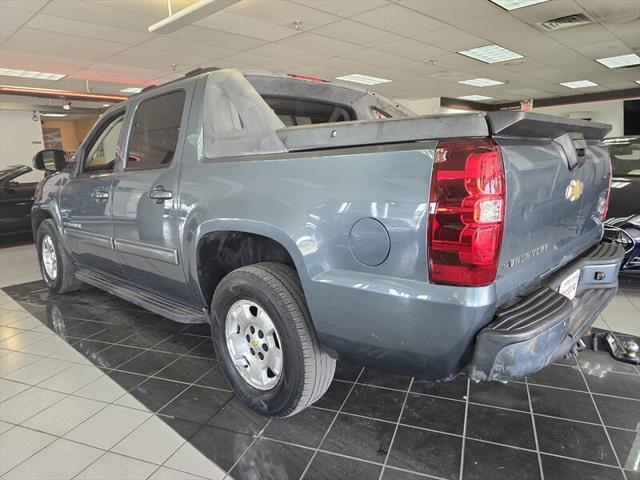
pixel 56 266
pixel 265 341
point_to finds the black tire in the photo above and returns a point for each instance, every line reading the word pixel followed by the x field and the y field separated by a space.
pixel 307 370
pixel 65 279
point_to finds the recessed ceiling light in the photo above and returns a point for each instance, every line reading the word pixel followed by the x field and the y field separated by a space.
pixel 481 82
pixel 475 98
pixel 364 79
pixel 131 90
pixel 638 82
pixel 579 84
pixel 620 60
pixel 515 4
pixel 10 72
pixel 107 105
pixel 491 54
pixel 53 115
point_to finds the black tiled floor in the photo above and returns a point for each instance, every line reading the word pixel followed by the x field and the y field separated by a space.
pixel 500 426
pixel 556 468
pixel 171 368
pixel 375 402
pixel 484 461
pixel 434 413
pixel 330 467
pixel 359 437
pixel 619 412
pixel 306 429
pixel 426 452
pixel 563 403
pixel 575 440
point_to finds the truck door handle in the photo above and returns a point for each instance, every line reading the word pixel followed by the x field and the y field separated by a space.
pixel 159 194
pixel 100 194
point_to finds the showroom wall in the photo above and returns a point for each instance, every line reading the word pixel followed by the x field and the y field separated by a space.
pixel 20 139
pixel 610 112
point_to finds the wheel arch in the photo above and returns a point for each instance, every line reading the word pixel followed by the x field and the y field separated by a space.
pixel 222 245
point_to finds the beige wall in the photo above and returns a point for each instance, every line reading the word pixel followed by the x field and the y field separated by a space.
pixel 20 139
pixel 73 130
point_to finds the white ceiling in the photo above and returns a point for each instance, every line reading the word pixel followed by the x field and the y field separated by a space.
pixel 411 42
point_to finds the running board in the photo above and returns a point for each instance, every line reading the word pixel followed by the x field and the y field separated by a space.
pixel 154 303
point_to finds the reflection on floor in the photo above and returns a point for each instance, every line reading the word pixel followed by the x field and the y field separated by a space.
pixel 575 419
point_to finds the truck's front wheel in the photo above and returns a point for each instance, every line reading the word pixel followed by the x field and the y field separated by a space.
pixel 56 266
pixel 265 341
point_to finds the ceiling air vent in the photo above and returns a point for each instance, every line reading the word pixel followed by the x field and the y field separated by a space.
pixel 569 21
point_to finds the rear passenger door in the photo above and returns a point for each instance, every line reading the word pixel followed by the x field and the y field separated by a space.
pixel 145 193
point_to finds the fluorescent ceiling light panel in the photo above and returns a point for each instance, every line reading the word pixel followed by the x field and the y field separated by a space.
pixel 131 90
pixel 481 82
pixel 190 14
pixel 620 60
pixel 475 98
pixel 364 79
pixel 638 82
pixel 10 72
pixel 516 4
pixel 579 84
pixel 491 54
pixel 53 115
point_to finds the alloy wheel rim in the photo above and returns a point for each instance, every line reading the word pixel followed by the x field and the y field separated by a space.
pixel 49 257
pixel 254 344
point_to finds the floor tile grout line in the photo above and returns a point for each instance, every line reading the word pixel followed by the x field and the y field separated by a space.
pixel 535 431
pixel 256 437
pixel 606 432
pixel 464 429
pixel 344 402
pixel 395 430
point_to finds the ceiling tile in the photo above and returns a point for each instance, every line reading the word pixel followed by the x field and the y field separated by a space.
pixel 542 12
pixel 46 40
pixel 15 45
pixel 250 27
pixel 412 49
pixel 453 13
pixel 29 5
pixel 400 20
pixel 44 62
pixel 371 56
pixel 608 9
pixel 215 38
pixel 99 14
pixel 354 32
pixel 12 17
pixel 282 12
pixel 285 52
pixel 627 30
pixel 452 39
pixel 155 8
pixel 172 45
pixel 259 62
pixel 84 29
pixel 157 59
pixel 584 35
pixel 601 50
pixel 343 8
pixel 319 44
pixel 499 28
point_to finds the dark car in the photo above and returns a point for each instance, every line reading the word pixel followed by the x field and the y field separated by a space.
pixel 16 198
pixel 623 216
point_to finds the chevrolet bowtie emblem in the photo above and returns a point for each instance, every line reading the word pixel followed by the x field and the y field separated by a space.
pixel 574 190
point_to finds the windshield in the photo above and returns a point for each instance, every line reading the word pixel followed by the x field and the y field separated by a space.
pixel 625 159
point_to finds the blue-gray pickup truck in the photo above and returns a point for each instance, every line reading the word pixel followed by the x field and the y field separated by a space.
pixel 307 221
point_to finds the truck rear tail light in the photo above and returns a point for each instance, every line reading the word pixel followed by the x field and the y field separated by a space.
pixel 466 212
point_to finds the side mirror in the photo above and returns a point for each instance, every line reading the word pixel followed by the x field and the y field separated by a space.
pixel 50 160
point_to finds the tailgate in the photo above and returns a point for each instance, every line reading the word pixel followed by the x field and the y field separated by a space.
pixel 557 177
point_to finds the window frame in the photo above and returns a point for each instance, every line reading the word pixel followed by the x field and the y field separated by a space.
pixel 94 136
pixel 132 117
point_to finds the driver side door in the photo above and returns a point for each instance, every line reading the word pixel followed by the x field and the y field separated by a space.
pixel 85 200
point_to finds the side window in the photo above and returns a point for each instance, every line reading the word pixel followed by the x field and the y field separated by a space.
pixel 155 130
pixel 102 155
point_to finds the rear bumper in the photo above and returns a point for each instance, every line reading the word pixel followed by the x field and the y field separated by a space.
pixel 545 325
